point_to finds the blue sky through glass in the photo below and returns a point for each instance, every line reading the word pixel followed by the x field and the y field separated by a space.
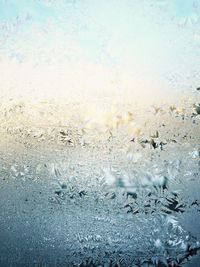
pixel 156 39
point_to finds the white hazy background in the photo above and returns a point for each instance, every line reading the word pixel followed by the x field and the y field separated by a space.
pixel 76 51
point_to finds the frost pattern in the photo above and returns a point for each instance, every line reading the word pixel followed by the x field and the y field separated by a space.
pixel 121 191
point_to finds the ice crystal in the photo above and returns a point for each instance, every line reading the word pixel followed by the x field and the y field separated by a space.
pixel 110 203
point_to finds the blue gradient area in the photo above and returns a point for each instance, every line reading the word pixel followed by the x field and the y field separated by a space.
pixel 12 9
pixel 42 11
pixel 147 36
pixel 116 18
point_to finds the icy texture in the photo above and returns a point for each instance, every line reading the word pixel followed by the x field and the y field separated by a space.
pixel 118 188
pixel 88 177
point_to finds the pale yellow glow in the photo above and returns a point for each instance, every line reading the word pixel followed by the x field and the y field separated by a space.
pixel 81 82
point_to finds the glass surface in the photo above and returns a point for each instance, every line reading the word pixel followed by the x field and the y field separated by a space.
pixel 100 133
